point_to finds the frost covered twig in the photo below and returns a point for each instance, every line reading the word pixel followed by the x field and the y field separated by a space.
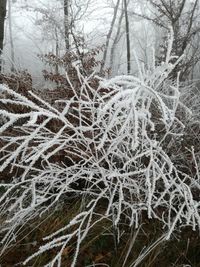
pixel 112 149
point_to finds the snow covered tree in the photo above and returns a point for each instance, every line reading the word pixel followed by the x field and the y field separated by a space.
pixel 182 16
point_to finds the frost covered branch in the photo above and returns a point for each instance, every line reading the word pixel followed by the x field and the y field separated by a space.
pixel 104 144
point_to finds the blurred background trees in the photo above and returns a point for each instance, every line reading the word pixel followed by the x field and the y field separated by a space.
pixel 122 28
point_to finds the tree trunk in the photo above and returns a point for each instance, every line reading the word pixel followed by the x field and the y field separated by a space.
pixel 66 24
pixel 109 35
pixel 127 38
pixel 115 41
pixel 11 36
pixel 57 51
pixel 2 21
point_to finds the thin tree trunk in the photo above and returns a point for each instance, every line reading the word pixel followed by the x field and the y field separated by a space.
pixel 127 38
pixel 11 36
pixel 116 39
pixel 109 35
pixel 57 50
pixel 2 22
pixel 66 24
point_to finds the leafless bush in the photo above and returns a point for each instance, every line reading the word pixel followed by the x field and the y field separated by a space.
pixel 112 143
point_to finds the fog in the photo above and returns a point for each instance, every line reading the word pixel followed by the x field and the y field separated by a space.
pixel 31 37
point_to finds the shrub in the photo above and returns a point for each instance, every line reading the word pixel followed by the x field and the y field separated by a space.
pixel 107 149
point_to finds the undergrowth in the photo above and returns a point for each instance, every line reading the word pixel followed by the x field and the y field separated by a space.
pixel 98 173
